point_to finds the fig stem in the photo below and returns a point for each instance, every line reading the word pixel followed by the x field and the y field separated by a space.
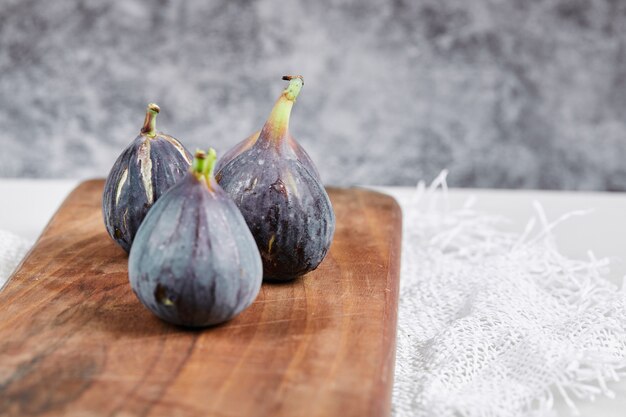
pixel 198 163
pixel 209 163
pixel 149 124
pixel 277 124
pixel 203 166
pixel 295 85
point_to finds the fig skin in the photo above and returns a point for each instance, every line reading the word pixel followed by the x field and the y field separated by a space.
pixel 194 262
pixel 282 199
pixel 151 164
pixel 299 152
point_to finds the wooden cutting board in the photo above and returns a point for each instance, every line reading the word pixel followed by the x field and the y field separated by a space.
pixel 75 341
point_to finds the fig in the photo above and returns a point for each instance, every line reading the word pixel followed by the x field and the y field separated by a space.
pixel 146 169
pixel 276 186
pixel 194 262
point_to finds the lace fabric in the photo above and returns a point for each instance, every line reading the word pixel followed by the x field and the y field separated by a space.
pixel 493 323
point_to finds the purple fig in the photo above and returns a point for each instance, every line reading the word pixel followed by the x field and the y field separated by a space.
pixel 276 186
pixel 146 169
pixel 194 262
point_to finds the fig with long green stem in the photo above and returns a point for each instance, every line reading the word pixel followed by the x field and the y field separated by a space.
pixel 149 166
pixel 194 262
pixel 279 192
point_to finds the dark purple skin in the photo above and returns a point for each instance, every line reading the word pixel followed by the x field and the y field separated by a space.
pixel 123 216
pixel 194 262
pixel 285 206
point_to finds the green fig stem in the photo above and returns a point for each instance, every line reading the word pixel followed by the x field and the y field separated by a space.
pixel 296 82
pixel 149 124
pixel 203 166
pixel 197 166
pixel 277 124
pixel 209 163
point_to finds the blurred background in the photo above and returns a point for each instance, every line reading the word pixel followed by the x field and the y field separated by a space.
pixel 503 93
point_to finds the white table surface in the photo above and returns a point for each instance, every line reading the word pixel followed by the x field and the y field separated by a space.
pixel 27 205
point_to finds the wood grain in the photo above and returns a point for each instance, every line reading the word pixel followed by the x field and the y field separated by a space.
pixel 75 341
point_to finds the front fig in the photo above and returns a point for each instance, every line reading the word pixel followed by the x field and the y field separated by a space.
pixel 278 190
pixel 146 169
pixel 194 262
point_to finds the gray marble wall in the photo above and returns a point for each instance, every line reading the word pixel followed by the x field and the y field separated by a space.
pixel 503 93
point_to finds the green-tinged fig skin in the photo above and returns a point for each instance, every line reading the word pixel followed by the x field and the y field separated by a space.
pixel 298 151
pixel 286 208
pixel 145 170
pixel 194 262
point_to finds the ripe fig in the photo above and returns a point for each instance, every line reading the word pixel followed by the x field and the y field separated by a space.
pixel 277 188
pixel 146 169
pixel 194 262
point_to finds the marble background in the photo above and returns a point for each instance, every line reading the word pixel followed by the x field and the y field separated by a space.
pixel 503 93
